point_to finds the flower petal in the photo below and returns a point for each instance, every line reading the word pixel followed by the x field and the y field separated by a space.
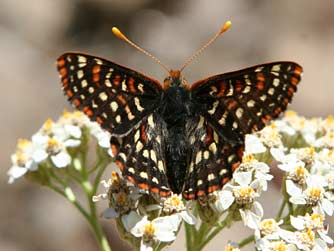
pixel 60 160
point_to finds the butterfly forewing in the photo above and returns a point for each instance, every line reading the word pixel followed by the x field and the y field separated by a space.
pixel 243 101
pixel 114 96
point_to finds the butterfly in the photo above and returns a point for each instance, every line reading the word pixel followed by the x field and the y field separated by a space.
pixel 176 137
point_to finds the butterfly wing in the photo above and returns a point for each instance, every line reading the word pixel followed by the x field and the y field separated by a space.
pixel 229 106
pixel 141 157
pixel 212 159
pixel 241 102
pixel 113 95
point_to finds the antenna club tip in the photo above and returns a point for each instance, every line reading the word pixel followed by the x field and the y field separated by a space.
pixel 226 26
pixel 117 32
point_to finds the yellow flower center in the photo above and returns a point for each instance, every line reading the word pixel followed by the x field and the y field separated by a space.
pixel 48 125
pixel 315 193
pixel 23 144
pixel 280 246
pixel 21 158
pixel 317 220
pixel 330 119
pixel 173 201
pixel 290 113
pixel 149 229
pixel 248 158
pixel 268 225
pixel 244 195
pixel 300 172
pixel 53 146
pixel 66 114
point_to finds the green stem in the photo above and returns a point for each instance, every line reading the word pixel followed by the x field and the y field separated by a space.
pixel 246 241
pixel 75 203
pixel 281 210
pixel 189 236
pixel 211 235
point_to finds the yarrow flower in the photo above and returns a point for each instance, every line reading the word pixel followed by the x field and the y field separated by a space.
pixel 53 142
pixel 175 205
pixel 161 229
pixel 242 191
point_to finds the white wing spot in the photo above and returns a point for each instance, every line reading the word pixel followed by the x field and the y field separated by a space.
pixel 80 74
pixel 146 153
pixel 251 103
pixel 215 137
pixel 153 156
pixel 201 122
pixel 211 176
pixel 155 180
pixel 137 135
pixel 271 91
pixel 131 170
pixel 222 120
pixel 199 182
pixel 138 105
pixel 139 146
pixel 222 172
pixel 140 87
pixel 98 61
pixel 108 83
pixel 114 106
pixel 247 89
pixel 124 87
pixel 90 89
pixel 258 69
pixel 239 112
pixel 161 166
pixel 123 156
pixel 213 148
pixel 206 154
pixel 198 157
pixel 150 121
pixel 84 83
pixel 230 158
pixel 143 175
pixel 276 82
pixel 214 107
pixel 103 96
pixel 276 67
pixel 263 97
pixel 118 119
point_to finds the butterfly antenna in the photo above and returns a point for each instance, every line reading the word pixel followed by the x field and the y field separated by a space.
pixel 119 34
pixel 226 26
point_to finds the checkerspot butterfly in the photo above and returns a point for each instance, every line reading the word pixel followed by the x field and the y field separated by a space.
pixel 176 137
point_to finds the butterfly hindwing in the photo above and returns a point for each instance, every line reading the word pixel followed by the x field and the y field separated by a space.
pixel 141 157
pixel 241 102
pixel 212 160
pixel 113 95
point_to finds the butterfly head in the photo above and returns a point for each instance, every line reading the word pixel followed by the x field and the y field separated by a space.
pixel 174 79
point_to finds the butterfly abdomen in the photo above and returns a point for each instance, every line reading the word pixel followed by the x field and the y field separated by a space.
pixel 175 111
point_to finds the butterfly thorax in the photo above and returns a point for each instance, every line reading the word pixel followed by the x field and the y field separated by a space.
pixel 175 111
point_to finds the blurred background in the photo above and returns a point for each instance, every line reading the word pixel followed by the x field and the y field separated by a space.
pixel 34 33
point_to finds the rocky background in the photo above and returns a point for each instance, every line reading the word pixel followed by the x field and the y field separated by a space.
pixel 34 33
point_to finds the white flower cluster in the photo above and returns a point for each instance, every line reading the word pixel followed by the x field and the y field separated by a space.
pixel 52 142
pixel 247 184
pixel 303 149
pixel 152 222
